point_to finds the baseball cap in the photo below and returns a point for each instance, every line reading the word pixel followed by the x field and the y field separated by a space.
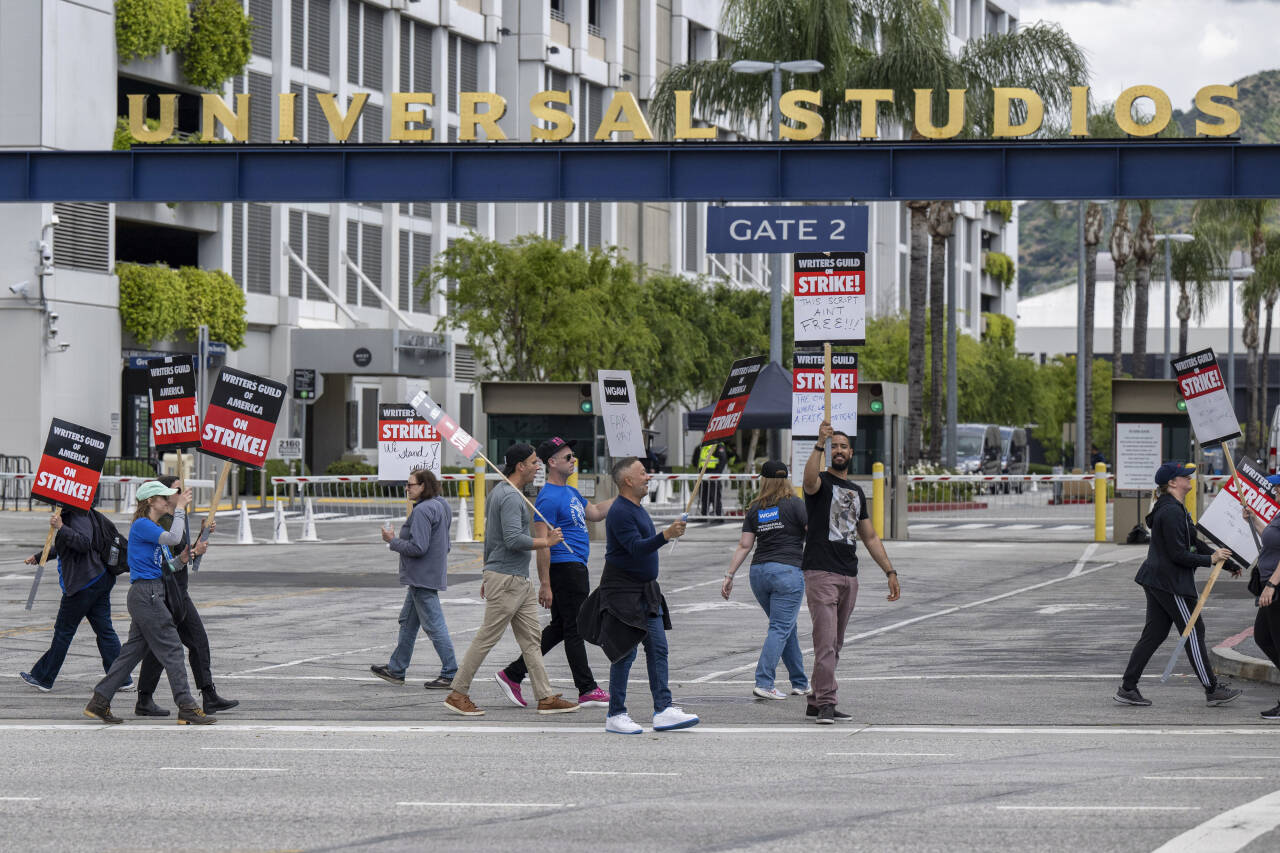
pixel 516 454
pixel 552 446
pixel 154 488
pixel 1169 470
pixel 773 470
pixel 1274 479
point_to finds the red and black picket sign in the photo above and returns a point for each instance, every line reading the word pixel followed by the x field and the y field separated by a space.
pixel 733 398
pixel 175 415
pixel 70 466
pixel 242 414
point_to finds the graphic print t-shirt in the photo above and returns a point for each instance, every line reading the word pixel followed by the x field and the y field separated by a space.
pixel 834 512
pixel 779 532
pixel 565 508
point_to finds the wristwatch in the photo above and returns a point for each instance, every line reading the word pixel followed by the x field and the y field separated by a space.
pixel 1270 584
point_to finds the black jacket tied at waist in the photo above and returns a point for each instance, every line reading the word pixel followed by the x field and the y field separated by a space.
pixel 616 615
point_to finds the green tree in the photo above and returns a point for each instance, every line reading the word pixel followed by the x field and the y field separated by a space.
pixel 146 27
pixel 1193 265
pixel 220 42
pixel 1121 250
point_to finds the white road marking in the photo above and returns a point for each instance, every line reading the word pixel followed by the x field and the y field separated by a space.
pixel 1099 808
pixel 972 526
pixel 924 525
pixel 309 660
pixel 900 754
pixel 495 805
pixel 1204 778
pixel 1054 609
pixel 1229 831
pixel 696 585
pixel 292 749
pixel 229 769
pixel 700 606
pixel 616 773
pixel 1020 527
pixel 1084 558
pixel 19 799
pixel 1069 527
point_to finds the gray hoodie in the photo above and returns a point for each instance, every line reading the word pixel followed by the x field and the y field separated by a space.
pixel 423 545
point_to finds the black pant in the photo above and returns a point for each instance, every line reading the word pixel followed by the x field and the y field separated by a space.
pixel 710 497
pixel 1266 631
pixel 191 632
pixel 1165 610
pixel 570 586
pixel 92 603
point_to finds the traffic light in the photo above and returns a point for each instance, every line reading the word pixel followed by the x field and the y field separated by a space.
pixel 874 393
pixel 584 401
pixel 1181 405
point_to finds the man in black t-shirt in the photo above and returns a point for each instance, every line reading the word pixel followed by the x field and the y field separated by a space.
pixel 838 517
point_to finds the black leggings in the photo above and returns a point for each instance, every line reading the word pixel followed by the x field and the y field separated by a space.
pixel 1165 610
pixel 1266 630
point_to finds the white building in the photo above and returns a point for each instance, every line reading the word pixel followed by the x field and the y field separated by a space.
pixel 62 88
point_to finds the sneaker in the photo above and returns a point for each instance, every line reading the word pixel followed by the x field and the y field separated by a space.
pixel 672 718
pixel 597 698
pixel 836 713
pixel 194 715
pixel 826 715
pixel 1272 714
pixel 128 687
pixel 438 683
pixel 556 705
pixel 511 689
pixel 386 674
pixel 461 703
pixel 768 693
pixel 99 709
pixel 31 679
pixel 622 724
pixel 801 691
pixel 1221 695
pixel 1126 696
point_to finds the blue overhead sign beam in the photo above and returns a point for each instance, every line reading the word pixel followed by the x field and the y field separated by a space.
pixel 648 171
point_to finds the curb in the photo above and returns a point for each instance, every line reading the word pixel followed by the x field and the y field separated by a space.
pixel 1228 661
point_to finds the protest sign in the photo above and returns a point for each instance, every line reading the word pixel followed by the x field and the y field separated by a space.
pixel 623 430
pixel 447 427
pixel 241 417
pixel 406 443
pixel 727 414
pixel 70 466
pixel 1213 417
pixel 808 400
pixel 175 416
pixel 1222 522
pixel 829 290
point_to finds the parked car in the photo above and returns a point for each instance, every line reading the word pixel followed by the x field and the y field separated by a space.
pixel 979 449
pixel 1014 456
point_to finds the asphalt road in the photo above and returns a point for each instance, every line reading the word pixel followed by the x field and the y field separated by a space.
pixel 982 713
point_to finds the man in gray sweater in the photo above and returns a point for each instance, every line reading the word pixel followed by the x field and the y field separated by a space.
pixel 511 598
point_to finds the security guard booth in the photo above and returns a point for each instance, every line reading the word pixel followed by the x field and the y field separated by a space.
pixel 882 437
pixel 1148 401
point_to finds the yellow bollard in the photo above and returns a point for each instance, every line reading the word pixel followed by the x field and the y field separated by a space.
pixel 877 498
pixel 464 488
pixel 1099 502
pixel 478 525
pixel 1191 496
pixel 572 479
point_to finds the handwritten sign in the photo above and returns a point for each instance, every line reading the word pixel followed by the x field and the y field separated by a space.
pixel 1213 417
pixel 406 442
pixel 830 298
pixel 623 430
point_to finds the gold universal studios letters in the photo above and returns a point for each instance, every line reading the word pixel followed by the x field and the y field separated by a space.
pixel 479 113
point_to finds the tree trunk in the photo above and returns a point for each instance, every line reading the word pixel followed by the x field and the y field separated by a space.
pixel 1121 248
pixel 751 452
pixel 917 296
pixel 1251 437
pixel 1144 252
pixel 941 222
pixel 1265 422
pixel 1184 317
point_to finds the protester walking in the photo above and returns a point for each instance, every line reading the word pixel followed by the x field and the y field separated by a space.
pixel 86 594
pixel 837 516
pixel 1167 578
pixel 1263 583
pixel 510 597
pixel 153 626
pixel 628 609
pixel 566 564
pixel 774 524
pixel 423 546
pixel 187 558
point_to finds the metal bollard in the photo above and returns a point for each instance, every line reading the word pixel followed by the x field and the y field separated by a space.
pixel 1100 502
pixel 480 490
pixel 1191 496
pixel 877 498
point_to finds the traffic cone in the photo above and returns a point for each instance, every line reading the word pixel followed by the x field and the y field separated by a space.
pixel 462 532
pixel 282 532
pixel 308 524
pixel 245 536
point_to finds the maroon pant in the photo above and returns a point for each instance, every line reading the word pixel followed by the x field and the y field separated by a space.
pixel 831 598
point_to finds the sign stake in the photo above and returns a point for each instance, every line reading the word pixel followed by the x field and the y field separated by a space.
pixel 44 557
pixel 216 497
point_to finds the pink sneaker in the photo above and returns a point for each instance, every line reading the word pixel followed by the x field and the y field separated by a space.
pixel 511 689
pixel 596 698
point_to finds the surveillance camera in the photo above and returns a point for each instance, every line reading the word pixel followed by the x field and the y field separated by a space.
pixel 20 289
pixel 46 253
pixel 53 317
pixel 54 220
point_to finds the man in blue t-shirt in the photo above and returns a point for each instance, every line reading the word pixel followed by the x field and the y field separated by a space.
pixel 566 566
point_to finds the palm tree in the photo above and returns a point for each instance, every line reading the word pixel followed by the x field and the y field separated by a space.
pixel 1144 252
pixel 1121 249
pixel 1266 279
pixel 941 222
pixel 1092 236
pixel 1193 266
pixel 915 330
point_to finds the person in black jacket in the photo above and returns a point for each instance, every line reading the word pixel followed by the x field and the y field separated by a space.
pixel 86 594
pixel 1167 577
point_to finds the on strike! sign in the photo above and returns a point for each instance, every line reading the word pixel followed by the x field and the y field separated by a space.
pixel 241 417
pixel 175 417
pixel 830 293
pixel 448 428
pixel 733 398
pixel 1222 522
pixel 1213 417
pixel 70 466
pixel 406 443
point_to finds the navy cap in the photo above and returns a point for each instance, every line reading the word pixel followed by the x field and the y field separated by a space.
pixel 1169 470
pixel 1274 479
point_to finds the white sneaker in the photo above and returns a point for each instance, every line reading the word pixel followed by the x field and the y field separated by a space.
pixel 768 693
pixel 130 686
pixel 673 718
pixel 622 724
pixel 796 691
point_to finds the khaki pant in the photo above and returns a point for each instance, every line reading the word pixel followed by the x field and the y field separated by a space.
pixel 831 597
pixel 508 600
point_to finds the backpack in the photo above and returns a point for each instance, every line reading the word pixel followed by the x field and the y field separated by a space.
pixel 111 546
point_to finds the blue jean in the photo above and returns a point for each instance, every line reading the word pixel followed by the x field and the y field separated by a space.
pixel 779 588
pixel 655 656
pixel 92 603
pixel 422 610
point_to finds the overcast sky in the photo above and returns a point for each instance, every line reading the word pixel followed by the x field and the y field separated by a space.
pixel 1178 45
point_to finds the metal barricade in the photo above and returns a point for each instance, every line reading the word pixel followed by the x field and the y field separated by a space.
pixel 1010 503
pixel 14 492
pixel 114 494
pixel 358 497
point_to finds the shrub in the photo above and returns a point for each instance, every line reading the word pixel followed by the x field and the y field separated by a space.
pixel 157 303
pixel 219 45
pixel 348 466
pixel 145 27
pixel 999 266
pixel 1003 208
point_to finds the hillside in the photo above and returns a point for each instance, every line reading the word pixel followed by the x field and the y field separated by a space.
pixel 1047 242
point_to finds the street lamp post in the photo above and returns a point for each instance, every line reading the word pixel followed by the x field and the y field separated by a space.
pixel 1168 276
pixel 799 66
pixel 1231 329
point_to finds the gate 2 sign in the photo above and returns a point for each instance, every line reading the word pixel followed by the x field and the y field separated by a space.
pixel 763 230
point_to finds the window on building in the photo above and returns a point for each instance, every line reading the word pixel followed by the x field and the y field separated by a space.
pixel 464 65
pixel 691 236
pixel 466 402
pixel 251 247
pixel 82 237
pixel 310 124
pixel 364 248
pixel 555 226
pixel 593 17
pixel 415 56
pixel 309 239
pixel 260 35
pixel 992 20
pixel 364 44
pixel 258 86
pixel 557 10
pixel 309 35
pixel 415 260
pixel 465 370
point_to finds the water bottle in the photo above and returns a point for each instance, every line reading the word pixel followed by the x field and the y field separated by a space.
pixel 114 556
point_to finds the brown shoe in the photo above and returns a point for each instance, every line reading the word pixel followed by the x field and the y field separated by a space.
pixel 99 709
pixel 461 703
pixel 556 705
pixel 195 716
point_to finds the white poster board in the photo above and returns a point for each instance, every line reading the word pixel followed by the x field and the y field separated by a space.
pixel 623 431
pixel 808 401
pixel 829 290
pixel 1213 417
pixel 406 442
pixel 1139 452
pixel 1222 522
